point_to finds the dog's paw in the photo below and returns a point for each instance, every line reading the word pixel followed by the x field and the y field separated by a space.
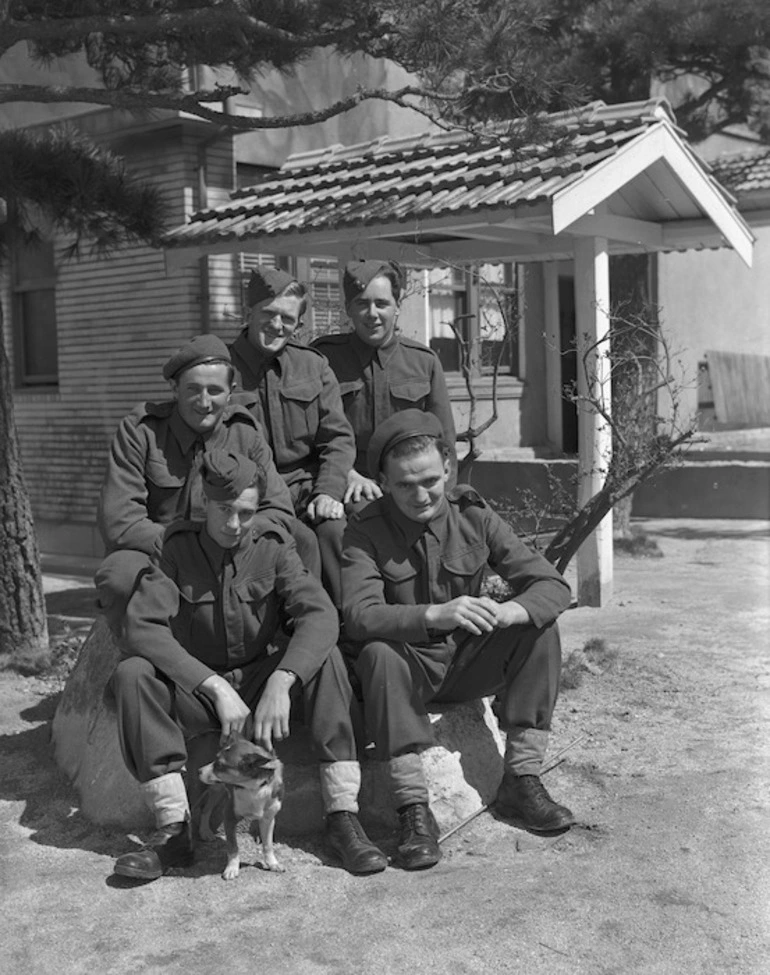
pixel 231 871
pixel 273 865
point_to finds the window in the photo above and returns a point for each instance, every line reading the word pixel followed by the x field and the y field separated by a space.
pixel 481 303
pixel 36 352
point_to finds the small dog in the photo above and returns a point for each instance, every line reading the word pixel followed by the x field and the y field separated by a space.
pixel 247 781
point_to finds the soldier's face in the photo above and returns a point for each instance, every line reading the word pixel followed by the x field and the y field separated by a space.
pixel 202 393
pixel 374 313
pixel 229 522
pixel 416 483
pixel 272 323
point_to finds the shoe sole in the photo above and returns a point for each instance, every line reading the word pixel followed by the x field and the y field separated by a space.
pixel 134 874
pixel 551 829
pixel 357 873
pixel 423 864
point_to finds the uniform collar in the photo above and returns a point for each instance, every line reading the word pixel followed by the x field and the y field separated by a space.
pixel 366 352
pixel 187 437
pixel 218 556
pixel 256 362
pixel 184 434
pixel 412 530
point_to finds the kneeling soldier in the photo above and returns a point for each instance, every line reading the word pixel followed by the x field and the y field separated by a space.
pixel 204 638
pixel 412 567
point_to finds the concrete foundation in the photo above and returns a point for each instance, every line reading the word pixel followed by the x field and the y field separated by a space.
pixel 463 769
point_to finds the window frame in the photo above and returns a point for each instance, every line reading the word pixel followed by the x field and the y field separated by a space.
pixel 21 285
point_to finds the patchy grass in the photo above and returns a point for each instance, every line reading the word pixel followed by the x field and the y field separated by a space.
pixel 638 545
pixel 54 662
pixel 596 657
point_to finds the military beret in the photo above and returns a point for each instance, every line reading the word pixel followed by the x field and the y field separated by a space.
pixel 398 427
pixel 203 348
pixel 359 273
pixel 267 282
pixel 226 475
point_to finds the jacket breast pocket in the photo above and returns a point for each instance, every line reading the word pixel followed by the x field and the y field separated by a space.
pixel 195 623
pixel 300 410
pixel 259 605
pixel 464 570
pixel 400 580
pixel 410 394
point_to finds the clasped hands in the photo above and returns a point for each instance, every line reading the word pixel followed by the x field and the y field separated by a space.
pixel 476 614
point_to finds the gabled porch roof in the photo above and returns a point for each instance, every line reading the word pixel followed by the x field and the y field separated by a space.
pixel 623 172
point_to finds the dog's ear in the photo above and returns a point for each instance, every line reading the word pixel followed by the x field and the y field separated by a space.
pixel 254 764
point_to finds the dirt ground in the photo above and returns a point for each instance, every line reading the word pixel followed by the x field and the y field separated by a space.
pixel 666 873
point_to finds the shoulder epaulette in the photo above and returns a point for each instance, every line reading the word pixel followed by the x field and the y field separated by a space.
pixel 162 409
pixel 372 510
pixel 336 338
pixel 305 348
pixel 238 413
pixel 465 495
pixel 413 344
pixel 177 527
pixel 265 527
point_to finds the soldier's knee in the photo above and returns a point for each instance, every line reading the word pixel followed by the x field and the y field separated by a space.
pixel 374 656
pixel 130 673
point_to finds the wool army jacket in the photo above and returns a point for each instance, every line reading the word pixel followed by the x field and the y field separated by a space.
pixel 205 610
pixel 393 568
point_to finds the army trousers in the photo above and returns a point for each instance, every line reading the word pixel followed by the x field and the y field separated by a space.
pixel 156 718
pixel 403 682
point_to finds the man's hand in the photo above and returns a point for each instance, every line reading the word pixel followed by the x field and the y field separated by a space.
pixel 271 715
pixel 511 613
pixel 473 613
pixel 476 614
pixel 231 710
pixel 361 488
pixel 323 507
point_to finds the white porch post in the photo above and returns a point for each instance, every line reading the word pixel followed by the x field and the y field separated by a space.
pixel 553 385
pixel 592 301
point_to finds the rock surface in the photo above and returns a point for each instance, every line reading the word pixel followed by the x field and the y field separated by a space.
pixel 463 768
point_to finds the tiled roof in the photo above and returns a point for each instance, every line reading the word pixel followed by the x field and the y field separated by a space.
pixel 743 172
pixel 404 180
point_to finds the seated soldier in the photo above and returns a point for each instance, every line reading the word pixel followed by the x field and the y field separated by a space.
pixel 204 654
pixel 153 470
pixel 296 397
pixel 412 567
pixel 381 372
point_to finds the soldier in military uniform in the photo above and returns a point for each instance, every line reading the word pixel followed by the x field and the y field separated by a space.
pixel 296 397
pixel 204 652
pixel 153 469
pixel 412 567
pixel 381 372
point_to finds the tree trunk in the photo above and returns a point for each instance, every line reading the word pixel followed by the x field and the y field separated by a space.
pixel 621 517
pixel 23 624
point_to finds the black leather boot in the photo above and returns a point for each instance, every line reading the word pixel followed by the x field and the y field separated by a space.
pixel 346 838
pixel 418 846
pixel 172 847
pixel 525 800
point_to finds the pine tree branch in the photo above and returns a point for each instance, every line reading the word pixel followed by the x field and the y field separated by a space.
pixel 157 27
pixel 134 99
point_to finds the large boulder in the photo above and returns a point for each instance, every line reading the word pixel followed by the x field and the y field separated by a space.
pixel 462 769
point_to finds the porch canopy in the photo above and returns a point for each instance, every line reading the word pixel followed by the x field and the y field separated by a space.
pixel 621 179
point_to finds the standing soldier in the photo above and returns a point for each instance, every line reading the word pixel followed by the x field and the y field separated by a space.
pixel 296 397
pixel 153 471
pixel 379 371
